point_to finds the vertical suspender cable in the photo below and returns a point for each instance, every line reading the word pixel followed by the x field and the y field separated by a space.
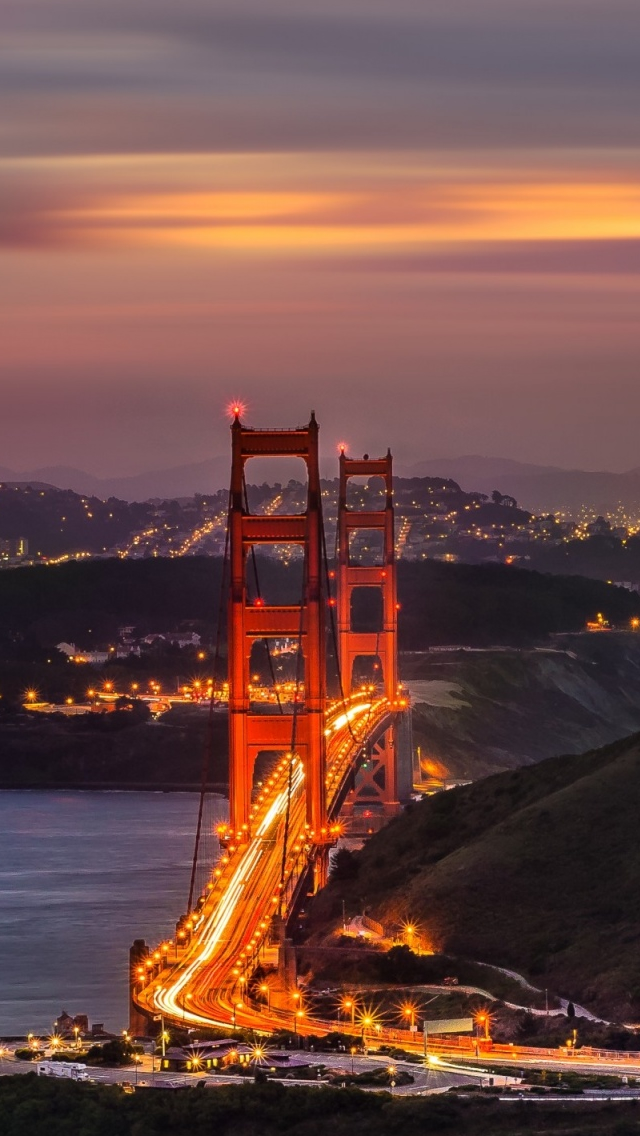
pixel 294 729
pixel 208 748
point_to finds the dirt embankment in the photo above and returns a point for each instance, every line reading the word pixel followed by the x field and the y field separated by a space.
pixel 480 711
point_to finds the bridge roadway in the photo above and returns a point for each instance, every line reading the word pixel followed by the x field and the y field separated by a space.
pixel 204 982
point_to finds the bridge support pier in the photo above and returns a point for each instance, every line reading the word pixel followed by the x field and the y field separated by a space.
pixel 138 1021
pixel 320 869
pixel 287 974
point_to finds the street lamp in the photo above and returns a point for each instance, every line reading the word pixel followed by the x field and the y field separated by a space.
pixel 482 1022
pixel 266 989
pixel 349 1004
pixel 409 1011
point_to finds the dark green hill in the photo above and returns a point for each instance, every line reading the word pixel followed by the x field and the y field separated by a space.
pixel 440 603
pixel 536 869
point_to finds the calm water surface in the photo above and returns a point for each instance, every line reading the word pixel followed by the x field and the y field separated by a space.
pixel 81 876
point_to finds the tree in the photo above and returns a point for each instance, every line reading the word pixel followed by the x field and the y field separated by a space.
pixel 118 1051
pixel 345 865
pixel 571 1011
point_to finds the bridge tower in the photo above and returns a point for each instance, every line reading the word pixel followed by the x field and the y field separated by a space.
pixel 377 781
pixel 250 733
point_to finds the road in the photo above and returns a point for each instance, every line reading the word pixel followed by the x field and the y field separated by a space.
pixel 146 1075
pixel 205 982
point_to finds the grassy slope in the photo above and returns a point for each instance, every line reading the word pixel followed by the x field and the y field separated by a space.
pixel 537 869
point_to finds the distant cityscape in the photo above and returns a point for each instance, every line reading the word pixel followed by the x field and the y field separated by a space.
pixel 434 519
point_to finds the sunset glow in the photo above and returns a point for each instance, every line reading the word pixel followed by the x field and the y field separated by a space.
pixel 302 206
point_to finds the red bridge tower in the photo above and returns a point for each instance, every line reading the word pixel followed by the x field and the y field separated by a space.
pixel 377 782
pixel 250 733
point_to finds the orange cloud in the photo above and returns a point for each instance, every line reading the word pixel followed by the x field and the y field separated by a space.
pixel 271 207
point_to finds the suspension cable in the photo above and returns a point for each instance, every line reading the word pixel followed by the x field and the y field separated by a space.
pixel 208 747
pixel 332 624
pixel 294 729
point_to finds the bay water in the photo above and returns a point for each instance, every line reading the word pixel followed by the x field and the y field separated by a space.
pixel 83 874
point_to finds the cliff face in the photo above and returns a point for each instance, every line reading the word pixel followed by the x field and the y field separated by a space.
pixel 479 711
pixel 475 712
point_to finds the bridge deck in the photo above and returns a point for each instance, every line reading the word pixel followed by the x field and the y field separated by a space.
pixel 203 983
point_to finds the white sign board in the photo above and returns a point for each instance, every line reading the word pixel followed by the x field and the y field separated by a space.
pixel 449 1025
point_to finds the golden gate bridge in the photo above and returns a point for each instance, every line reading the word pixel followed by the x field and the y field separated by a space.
pixel 330 755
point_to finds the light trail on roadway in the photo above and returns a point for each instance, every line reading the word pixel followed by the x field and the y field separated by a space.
pixel 206 984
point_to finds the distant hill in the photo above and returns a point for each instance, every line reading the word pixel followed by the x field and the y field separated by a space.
pixel 59 521
pixel 179 481
pixel 440 603
pixel 537 869
pixel 541 489
pixel 474 468
pixel 538 488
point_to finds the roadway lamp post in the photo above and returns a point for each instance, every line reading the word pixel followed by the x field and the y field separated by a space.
pixel 349 1004
pixel 266 989
pixel 296 1007
pixel 410 1013
pixel 236 1006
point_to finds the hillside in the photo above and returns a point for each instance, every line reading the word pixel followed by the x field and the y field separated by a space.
pixel 477 711
pixel 536 869
pixel 440 603
pixel 92 752
pixel 541 488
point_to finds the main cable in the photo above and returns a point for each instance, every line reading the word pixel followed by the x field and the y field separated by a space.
pixel 208 747
pixel 294 729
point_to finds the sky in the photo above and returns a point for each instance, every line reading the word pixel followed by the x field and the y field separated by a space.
pixel 420 218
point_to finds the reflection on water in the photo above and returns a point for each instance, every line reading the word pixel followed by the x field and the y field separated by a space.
pixel 81 876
